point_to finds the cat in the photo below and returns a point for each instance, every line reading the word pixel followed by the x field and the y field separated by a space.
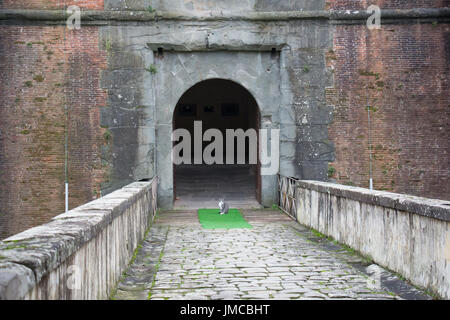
pixel 223 207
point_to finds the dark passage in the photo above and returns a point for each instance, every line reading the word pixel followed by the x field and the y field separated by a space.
pixel 218 104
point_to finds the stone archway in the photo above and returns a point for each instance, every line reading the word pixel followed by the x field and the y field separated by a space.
pixel 218 105
pixel 257 72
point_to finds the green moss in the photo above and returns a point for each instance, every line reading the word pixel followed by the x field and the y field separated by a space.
pixel 152 69
pixel 28 84
pixel 25 131
pixel 305 69
pixel 318 234
pixel 16 246
pixel 370 108
pixel 157 268
pixel 368 73
pixel 38 78
pixel 136 251
pixel 40 99
pixel 124 274
pixel 380 84
pixel 331 171
pixel 107 135
pixel 150 9
pixel 331 55
pixel 108 45
pixel 49 54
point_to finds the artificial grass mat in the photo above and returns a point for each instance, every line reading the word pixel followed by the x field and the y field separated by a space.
pixel 211 219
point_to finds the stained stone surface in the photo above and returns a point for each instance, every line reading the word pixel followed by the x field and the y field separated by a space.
pixel 277 259
pixel 280 63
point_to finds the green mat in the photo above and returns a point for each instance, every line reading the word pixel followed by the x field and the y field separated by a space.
pixel 211 219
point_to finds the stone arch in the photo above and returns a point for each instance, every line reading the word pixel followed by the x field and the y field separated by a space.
pixel 257 72
pixel 218 104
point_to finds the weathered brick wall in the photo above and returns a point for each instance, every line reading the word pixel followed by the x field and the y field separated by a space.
pixel 402 73
pixel 35 77
pixel 51 4
pixel 385 4
pixel 85 61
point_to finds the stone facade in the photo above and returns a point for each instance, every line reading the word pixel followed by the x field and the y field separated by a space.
pixel 306 65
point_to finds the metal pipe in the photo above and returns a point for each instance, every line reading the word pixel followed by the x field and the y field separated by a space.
pixel 67 197
pixel 370 151
pixel 66 129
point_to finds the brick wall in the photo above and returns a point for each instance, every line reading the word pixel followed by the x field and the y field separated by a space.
pixel 385 4
pixel 51 4
pixel 35 77
pixel 402 73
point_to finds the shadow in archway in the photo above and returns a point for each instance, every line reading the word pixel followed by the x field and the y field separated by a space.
pixel 218 104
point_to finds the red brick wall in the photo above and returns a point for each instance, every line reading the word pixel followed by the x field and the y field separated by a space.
pixel 385 4
pixel 402 72
pixel 35 77
pixel 52 4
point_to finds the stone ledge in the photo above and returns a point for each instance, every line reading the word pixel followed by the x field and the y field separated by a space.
pixel 99 16
pixel 15 280
pixel 433 208
pixel 25 258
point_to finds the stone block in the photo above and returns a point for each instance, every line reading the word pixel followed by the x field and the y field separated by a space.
pixel 15 281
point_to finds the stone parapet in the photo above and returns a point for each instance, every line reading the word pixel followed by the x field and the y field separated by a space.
pixel 79 254
pixel 406 234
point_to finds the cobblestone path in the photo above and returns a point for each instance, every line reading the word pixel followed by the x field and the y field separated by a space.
pixel 277 259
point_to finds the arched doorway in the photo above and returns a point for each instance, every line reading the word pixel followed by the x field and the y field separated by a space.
pixel 223 105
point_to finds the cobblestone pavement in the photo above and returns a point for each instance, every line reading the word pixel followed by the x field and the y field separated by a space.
pixel 277 259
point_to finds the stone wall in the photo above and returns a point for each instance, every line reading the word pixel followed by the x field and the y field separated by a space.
pixel 406 234
pixel 79 254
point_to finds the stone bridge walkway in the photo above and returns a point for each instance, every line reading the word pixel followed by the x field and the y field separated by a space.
pixel 277 259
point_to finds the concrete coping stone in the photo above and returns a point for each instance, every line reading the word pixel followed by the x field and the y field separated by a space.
pixel 433 208
pixel 25 258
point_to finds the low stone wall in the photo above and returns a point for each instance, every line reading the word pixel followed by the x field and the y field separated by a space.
pixel 406 234
pixel 79 254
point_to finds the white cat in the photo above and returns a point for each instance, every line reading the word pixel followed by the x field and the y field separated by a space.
pixel 223 207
